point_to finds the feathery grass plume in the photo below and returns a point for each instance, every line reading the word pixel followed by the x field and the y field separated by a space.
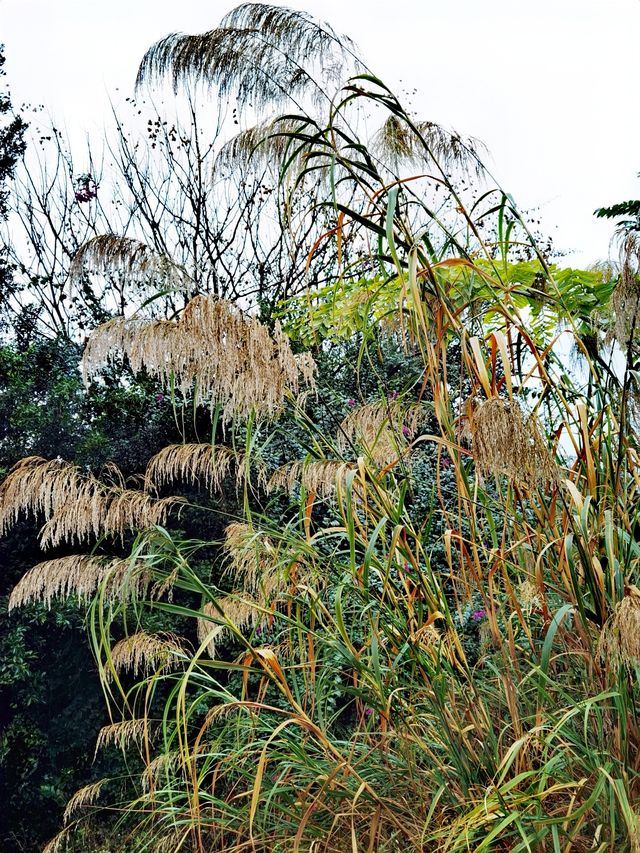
pixel 86 796
pixel 381 429
pixel 66 576
pixel 254 559
pixel 321 476
pixel 199 464
pixel 37 486
pixel 55 845
pixel 145 653
pixel 396 142
pixel 625 299
pixel 122 734
pixel 258 55
pixel 504 443
pixel 239 610
pixel 264 145
pixel 98 511
pixel 620 638
pixel 130 509
pixel 230 356
pixel 166 762
pixel 112 252
pixel 528 597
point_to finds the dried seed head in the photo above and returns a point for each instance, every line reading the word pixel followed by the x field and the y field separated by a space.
pixel 321 477
pixel 143 653
pixel 528 597
pixel 504 443
pixel 214 349
pixel 86 796
pixel 122 734
pixel 381 430
pixel 620 637
pixel 204 464
pixel 66 576
pixel 77 506
pixel 241 612
pixel 254 559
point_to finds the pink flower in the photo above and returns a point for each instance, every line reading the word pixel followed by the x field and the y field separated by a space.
pixel 406 431
pixel 478 615
pixel 159 398
pixel 351 403
pixel 368 712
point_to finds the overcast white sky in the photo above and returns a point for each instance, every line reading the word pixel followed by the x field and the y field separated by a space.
pixel 550 86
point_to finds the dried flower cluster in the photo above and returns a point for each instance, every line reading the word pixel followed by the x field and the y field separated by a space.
pixel 381 430
pixel 215 350
pixel 200 464
pixel 143 653
pixel 75 575
pixel 320 477
pixel 620 638
pixel 503 442
pixel 77 506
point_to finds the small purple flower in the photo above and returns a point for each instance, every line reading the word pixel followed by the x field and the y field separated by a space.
pixel 406 431
pixel 258 631
pixel 393 395
pixel 368 712
pixel 159 398
pixel 351 403
pixel 479 615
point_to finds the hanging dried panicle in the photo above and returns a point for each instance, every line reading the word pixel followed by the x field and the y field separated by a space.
pixel 37 486
pixel 77 506
pixel 425 142
pixel 320 477
pixel 75 575
pixel 620 637
pixel 200 464
pixel 528 597
pixel 122 734
pixel 55 845
pixel 227 356
pixel 382 430
pixel 504 443
pixel 86 796
pixel 167 763
pixel 625 299
pixel 240 611
pixel 254 559
pixel 108 252
pixel 143 653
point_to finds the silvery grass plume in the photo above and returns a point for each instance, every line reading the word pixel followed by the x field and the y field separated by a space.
pixel 77 506
pixel 112 252
pixel 215 349
pixel 503 442
pixel 259 56
pixel 203 465
pixel 86 796
pixel 77 575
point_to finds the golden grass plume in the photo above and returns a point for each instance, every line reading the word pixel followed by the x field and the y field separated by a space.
pixel 503 442
pixel 143 653
pixel 85 796
pixel 620 638
pixel 227 356
pixel 381 429
pixel 78 575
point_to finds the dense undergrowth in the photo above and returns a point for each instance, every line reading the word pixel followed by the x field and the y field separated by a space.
pixel 418 626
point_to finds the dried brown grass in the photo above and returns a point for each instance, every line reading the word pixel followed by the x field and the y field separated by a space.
pixel 381 430
pixel 77 506
pixel 66 576
pixel 215 350
pixel 201 464
pixel 503 442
